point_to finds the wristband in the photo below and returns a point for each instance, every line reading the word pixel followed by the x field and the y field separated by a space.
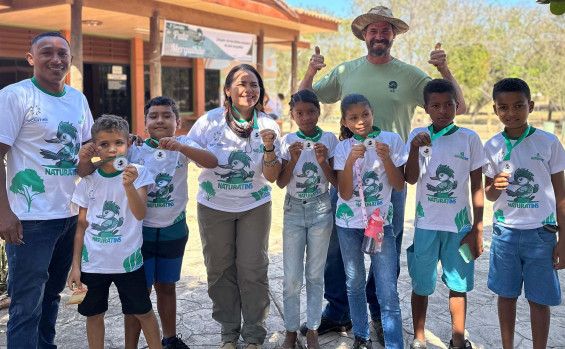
pixel 269 151
pixel 271 163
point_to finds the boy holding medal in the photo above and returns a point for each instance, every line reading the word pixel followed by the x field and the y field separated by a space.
pixel 442 159
pixel 165 232
pixel 107 246
pixel 524 178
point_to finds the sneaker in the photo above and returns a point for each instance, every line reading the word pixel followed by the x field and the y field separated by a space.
pixel 176 343
pixel 252 346
pixel 362 343
pixel 327 325
pixel 229 345
pixel 466 345
pixel 378 326
pixel 418 344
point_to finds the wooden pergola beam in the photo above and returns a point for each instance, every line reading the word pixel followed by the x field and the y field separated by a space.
pixel 76 45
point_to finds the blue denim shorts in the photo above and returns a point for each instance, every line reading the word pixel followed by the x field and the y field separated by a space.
pixel 430 247
pixel 524 256
pixel 163 251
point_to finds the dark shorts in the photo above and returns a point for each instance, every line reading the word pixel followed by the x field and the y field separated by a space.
pixel 131 289
pixel 163 250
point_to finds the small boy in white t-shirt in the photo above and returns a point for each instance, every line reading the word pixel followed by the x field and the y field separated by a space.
pixel 524 178
pixel 108 238
pixel 442 158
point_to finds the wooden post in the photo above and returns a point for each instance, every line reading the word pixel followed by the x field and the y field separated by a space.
pixel 198 77
pixel 76 45
pixel 294 68
pixel 67 34
pixel 137 87
pixel 260 51
pixel 155 56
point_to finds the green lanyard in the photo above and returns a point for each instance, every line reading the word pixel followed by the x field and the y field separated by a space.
pixel 440 133
pixel 115 157
pixel 370 135
pixel 242 120
pixel 316 137
pixel 149 140
pixel 509 145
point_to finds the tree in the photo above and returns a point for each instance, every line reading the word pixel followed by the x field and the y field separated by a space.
pixel 344 213
pixel 28 184
pixel 208 189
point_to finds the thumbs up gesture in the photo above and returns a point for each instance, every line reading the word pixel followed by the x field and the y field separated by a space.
pixel 438 58
pixel 316 62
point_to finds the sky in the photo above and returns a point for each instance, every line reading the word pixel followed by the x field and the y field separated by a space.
pixel 338 7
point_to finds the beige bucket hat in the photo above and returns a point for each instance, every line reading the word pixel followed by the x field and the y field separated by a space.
pixel 377 14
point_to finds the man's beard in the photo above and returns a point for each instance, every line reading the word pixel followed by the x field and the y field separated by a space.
pixel 380 51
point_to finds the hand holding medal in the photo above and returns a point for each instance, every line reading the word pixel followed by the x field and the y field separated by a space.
pixel 159 147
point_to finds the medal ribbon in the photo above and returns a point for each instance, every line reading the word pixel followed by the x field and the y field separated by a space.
pixel 242 120
pixel 316 137
pixel 360 185
pixel 509 145
pixel 148 141
pixel 440 133
pixel 375 134
pixel 115 157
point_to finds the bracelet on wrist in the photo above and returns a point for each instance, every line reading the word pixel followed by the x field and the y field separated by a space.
pixel 271 163
pixel 269 151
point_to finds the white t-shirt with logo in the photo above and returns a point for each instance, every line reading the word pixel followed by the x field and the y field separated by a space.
pixel 442 193
pixel 113 238
pixel 308 179
pixel 237 184
pixel 529 200
pixel 168 196
pixel 45 132
pixel 376 186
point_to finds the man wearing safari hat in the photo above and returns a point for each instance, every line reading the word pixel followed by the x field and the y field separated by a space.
pixel 394 89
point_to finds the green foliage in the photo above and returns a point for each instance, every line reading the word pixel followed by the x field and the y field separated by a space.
pixel 261 193
pixel 344 213
pixel 134 261
pixel 419 210
pixel 209 189
pixel 462 220
pixel 499 216
pixel 28 184
pixel 549 220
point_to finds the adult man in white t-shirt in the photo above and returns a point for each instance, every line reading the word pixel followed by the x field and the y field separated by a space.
pixel 44 122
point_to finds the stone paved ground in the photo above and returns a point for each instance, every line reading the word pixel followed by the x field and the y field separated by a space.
pixel 200 331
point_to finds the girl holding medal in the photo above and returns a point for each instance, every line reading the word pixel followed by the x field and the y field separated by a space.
pixel 307 159
pixel 234 206
pixel 366 177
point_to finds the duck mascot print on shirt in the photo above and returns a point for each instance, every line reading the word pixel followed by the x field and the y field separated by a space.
pixel 110 222
pixel 67 156
pixel 447 184
pixel 371 189
pixel 162 192
pixel 237 175
pixel 523 188
pixel 310 185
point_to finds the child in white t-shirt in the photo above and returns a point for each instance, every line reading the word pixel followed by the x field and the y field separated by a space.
pixel 442 158
pixel 165 232
pixel 369 163
pixel 307 169
pixel 108 239
pixel 524 178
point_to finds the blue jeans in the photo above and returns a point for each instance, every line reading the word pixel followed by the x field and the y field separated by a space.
pixel 385 266
pixel 337 309
pixel 37 274
pixel 307 225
